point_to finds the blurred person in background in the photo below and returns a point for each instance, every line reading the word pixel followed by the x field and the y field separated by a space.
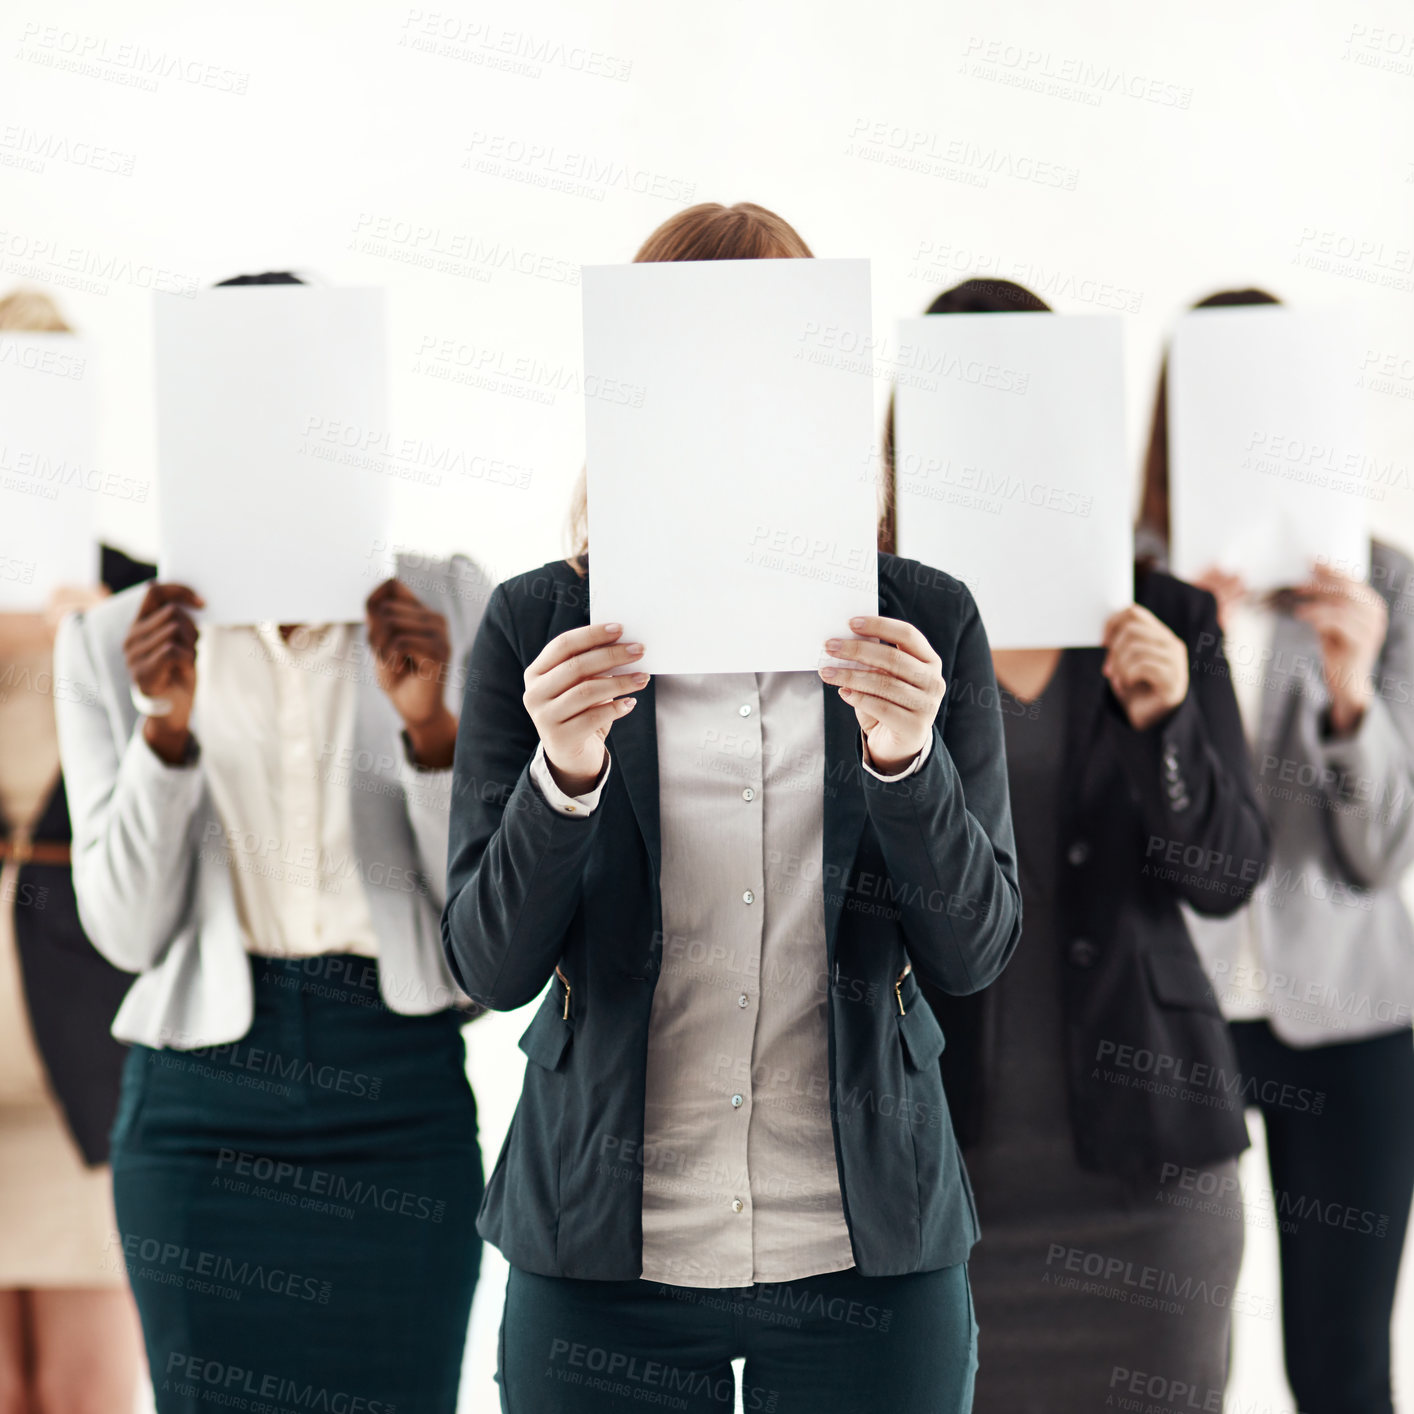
pixel 69 1339
pixel 1117 756
pixel 260 833
pixel 1317 974
pixel 681 1185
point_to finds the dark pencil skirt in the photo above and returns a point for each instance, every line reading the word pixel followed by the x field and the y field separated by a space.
pixel 296 1210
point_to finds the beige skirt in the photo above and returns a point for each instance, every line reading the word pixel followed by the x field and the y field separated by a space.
pixel 57 1227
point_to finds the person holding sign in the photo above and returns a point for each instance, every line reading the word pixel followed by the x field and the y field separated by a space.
pixel 260 823
pixel 69 1336
pixel 732 1138
pixel 1095 1077
pixel 1315 974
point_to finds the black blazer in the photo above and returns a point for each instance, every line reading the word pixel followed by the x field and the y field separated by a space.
pixel 921 870
pixel 1152 819
pixel 72 992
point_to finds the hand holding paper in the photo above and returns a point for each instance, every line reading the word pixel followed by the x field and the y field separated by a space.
pixel 574 696
pixel 160 650
pixel 412 650
pixel 895 692
pixel 1146 667
pixel 1350 620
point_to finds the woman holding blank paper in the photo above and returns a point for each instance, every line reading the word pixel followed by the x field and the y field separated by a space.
pixel 260 818
pixel 732 1139
pixel 1093 1086
pixel 1317 974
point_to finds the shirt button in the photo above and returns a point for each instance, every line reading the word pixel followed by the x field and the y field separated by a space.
pixel 741 1000
pixel 1078 853
pixel 748 897
pixel 1083 953
pixel 744 710
pixel 748 794
pixel 737 1205
pixel 736 1102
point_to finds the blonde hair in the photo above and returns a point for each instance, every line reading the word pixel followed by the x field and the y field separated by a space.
pixel 708 231
pixel 31 312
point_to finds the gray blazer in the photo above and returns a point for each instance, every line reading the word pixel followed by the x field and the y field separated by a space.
pixel 156 897
pixel 1336 942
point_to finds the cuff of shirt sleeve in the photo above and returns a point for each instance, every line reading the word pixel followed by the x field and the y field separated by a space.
pixel 555 798
pixel 911 769
pixel 424 784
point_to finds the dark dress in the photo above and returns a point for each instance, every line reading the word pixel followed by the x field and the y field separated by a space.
pixel 1079 1272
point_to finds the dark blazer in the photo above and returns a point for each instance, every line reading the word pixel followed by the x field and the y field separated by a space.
pixel 1151 819
pixel 921 870
pixel 72 993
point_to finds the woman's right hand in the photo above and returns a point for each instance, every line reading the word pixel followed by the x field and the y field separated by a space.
pixel 160 650
pixel 573 700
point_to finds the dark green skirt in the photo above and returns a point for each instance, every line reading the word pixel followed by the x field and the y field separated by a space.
pixel 296 1210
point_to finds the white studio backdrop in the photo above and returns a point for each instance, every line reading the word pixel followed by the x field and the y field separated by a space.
pixel 471 158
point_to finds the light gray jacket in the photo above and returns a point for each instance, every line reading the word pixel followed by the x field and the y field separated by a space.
pixel 1336 945
pixel 153 885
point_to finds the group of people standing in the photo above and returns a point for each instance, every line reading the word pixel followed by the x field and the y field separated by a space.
pixel 835 973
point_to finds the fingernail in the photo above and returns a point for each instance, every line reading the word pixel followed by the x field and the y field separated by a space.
pixel 630 703
pixel 613 628
pixel 856 623
pixel 829 674
pixel 635 650
pixel 640 678
pixel 832 645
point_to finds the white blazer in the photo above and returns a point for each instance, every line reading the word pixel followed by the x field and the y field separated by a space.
pixel 156 902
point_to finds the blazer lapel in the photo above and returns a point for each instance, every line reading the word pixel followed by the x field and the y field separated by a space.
pixel 633 748
pixel 844 807
pixel 1085 690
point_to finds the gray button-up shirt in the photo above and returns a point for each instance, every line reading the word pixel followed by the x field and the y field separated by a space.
pixel 740 1183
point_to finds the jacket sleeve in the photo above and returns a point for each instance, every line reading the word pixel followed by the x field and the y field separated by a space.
pixel 458 589
pixel 1368 776
pixel 514 865
pixel 132 815
pixel 946 833
pixel 1192 774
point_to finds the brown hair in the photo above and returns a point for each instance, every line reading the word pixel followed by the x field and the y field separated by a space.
pixel 1152 526
pixel 970 297
pixel 709 231
pixel 31 312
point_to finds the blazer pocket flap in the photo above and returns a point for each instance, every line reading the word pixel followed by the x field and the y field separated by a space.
pixel 1180 981
pixel 923 1039
pixel 547 1037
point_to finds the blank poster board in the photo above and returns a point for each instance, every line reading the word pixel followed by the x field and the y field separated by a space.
pixel 271 419
pixel 1268 464
pixel 1010 468
pixel 731 500
pixel 49 485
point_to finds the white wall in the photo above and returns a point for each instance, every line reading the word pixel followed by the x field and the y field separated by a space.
pixel 1271 143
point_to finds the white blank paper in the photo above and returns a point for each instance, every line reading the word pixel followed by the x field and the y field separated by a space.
pixel 1268 465
pixel 49 485
pixel 1010 468
pixel 731 507
pixel 272 413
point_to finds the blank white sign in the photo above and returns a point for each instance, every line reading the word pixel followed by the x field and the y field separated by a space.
pixel 1268 463
pixel 49 485
pixel 1010 468
pixel 731 501
pixel 272 421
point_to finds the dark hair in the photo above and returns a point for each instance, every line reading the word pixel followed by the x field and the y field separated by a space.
pixel 271 277
pixel 1151 532
pixel 977 296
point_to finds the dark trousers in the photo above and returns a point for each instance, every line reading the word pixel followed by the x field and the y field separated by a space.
pixel 834 1344
pixel 296 1209
pixel 1340 1141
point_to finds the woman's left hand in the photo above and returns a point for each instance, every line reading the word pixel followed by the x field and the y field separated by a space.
pixel 895 692
pixel 1146 667
pixel 412 650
